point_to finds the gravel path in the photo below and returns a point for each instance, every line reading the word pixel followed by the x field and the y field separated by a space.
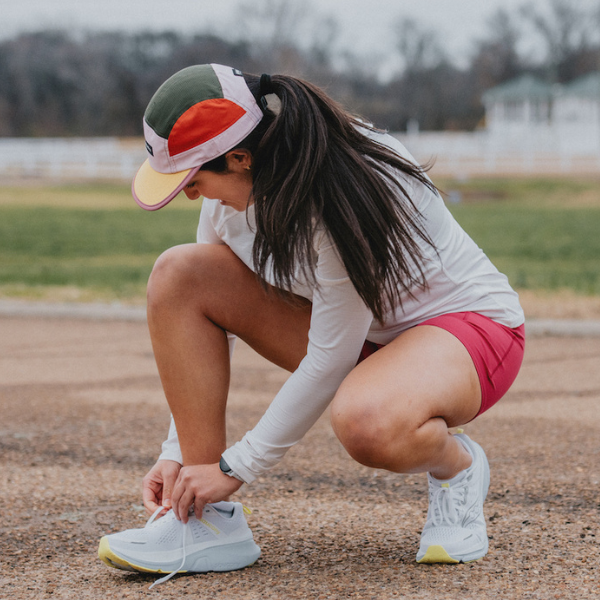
pixel 83 418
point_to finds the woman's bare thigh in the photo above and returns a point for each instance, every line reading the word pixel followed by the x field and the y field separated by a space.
pixel 423 374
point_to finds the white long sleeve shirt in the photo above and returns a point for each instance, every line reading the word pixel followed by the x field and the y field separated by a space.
pixel 460 278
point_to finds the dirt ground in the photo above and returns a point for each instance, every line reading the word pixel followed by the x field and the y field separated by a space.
pixel 83 418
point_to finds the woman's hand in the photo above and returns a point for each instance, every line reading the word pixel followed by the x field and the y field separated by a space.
pixel 199 485
pixel 158 485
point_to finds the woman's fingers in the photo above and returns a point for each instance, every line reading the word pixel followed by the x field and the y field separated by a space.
pixel 170 474
pixel 158 484
pixel 199 485
pixel 181 505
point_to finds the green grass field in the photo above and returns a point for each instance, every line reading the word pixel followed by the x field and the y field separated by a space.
pixel 92 242
pixel 543 234
pixel 84 242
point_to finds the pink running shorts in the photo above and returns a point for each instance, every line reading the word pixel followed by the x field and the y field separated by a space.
pixel 497 351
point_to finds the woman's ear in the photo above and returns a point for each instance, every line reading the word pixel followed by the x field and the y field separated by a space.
pixel 239 160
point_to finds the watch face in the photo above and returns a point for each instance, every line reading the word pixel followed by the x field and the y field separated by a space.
pixel 224 466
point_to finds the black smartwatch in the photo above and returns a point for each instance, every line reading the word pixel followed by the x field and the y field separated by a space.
pixel 225 468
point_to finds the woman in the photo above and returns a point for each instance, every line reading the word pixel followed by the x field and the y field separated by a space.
pixel 330 253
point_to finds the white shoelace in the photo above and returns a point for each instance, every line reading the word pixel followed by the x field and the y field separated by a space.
pixel 183 542
pixel 445 502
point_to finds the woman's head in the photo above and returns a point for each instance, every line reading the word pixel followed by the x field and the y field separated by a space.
pixel 196 116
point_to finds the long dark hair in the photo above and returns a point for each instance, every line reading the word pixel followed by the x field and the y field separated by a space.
pixel 313 164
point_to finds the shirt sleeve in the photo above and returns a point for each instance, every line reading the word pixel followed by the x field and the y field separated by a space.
pixel 339 324
pixel 170 447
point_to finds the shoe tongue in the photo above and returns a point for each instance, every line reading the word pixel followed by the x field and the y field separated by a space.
pixel 450 482
pixel 154 519
pixel 223 508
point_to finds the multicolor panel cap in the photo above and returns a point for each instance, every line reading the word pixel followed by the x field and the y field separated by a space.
pixel 195 116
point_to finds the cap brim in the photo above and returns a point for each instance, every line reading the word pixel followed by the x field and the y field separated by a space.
pixel 152 190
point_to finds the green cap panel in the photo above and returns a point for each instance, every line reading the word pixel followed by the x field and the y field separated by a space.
pixel 189 86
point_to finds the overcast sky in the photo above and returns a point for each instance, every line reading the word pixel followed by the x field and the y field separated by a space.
pixel 365 25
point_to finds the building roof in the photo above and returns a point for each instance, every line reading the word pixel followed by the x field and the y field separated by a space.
pixel 521 88
pixel 587 86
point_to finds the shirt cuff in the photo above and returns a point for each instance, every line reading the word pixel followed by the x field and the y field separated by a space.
pixel 170 447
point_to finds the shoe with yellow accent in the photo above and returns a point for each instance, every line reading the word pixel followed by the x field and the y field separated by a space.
pixel 455 530
pixel 220 541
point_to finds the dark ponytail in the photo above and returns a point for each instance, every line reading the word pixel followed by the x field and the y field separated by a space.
pixel 312 164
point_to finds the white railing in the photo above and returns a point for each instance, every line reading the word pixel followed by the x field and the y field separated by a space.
pixel 470 154
pixel 70 158
pixel 454 154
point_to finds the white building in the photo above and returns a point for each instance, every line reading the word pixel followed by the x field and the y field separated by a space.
pixel 564 118
pixel 576 114
pixel 525 102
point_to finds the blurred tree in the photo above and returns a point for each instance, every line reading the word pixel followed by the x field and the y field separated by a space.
pixel 570 35
pixel 419 48
pixel 496 57
pixel 54 83
pixel 429 91
pixel 41 83
pixel 273 32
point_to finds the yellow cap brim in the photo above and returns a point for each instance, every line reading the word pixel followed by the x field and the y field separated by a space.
pixel 152 190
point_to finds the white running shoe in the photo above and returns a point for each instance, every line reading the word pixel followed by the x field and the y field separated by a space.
pixel 455 530
pixel 220 541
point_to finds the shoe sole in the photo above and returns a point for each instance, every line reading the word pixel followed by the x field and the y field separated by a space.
pixel 437 554
pixel 216 558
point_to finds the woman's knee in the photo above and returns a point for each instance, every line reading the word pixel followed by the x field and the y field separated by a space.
pixel 377 431
pixel 363 429
pixel 177 275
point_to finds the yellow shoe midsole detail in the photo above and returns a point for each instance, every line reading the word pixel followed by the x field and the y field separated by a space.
pixel 437 554
pixel 210 526
pixel 108 557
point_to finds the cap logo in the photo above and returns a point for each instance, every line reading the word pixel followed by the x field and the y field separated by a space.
pixel 149 149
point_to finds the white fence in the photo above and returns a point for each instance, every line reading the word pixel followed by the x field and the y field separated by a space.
pixel 70 158
pixel 467 154
pixel 454 154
